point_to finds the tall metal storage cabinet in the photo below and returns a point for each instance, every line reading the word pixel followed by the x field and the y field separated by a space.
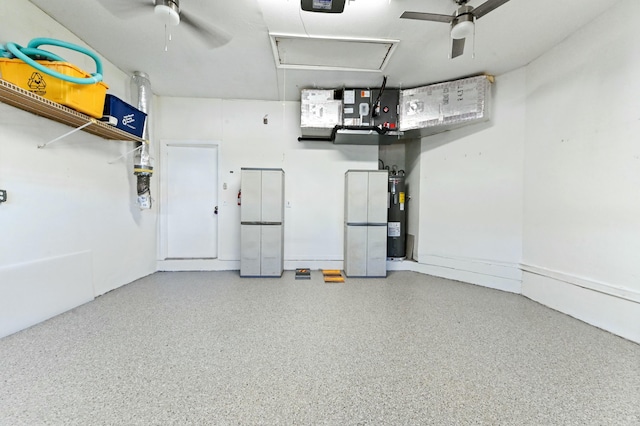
pixel 262 223
pixel 365 238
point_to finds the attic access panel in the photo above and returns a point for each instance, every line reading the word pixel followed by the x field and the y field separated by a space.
pixel 319 53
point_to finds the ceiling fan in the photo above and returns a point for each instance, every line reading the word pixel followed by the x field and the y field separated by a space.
pixel 169 13
pixel 462 21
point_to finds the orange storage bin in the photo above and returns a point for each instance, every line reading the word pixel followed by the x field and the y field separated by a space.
pixel 85 98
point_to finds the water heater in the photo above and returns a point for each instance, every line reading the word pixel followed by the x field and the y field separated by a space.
pixel 397 217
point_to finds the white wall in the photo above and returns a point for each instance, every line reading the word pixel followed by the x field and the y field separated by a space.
pixel 394 155
pixel 582 174
pixel 314 174
pixel 70 227
pixel 470 199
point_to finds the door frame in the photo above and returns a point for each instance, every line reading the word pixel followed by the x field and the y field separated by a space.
pixel 163 249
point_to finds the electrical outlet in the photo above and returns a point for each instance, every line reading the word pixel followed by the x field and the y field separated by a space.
pixel 3 195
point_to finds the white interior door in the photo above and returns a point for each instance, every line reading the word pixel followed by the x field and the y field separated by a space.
pixel 192 200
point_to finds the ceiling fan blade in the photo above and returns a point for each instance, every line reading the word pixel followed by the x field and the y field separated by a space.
pixel 213 37
pixel 436 17
pixel 457 48
pixel 487 7
pixel 127 8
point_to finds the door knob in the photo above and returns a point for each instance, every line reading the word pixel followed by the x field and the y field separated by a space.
pixel 215 210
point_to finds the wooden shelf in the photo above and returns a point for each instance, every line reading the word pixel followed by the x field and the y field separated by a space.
pixel 23 99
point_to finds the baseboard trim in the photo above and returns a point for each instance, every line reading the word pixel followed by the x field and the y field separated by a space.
pixel 496 275
pixel 290 265
pixel 600 287
pixel 492 274
pixel 614 314
pixel 177 265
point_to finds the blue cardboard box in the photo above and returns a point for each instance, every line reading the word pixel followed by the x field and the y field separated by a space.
pixel 125 116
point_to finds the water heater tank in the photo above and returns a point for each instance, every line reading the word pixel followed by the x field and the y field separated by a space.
pixel 397 218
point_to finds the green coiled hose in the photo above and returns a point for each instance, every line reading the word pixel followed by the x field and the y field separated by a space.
pixel 32 52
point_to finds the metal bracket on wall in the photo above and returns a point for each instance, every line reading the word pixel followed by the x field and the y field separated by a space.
pixel 67 134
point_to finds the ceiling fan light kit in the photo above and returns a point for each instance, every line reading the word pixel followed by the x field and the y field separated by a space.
pixel 168 12
pixel 462 26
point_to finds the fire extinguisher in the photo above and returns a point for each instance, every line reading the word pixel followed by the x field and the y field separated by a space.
pixel 239 196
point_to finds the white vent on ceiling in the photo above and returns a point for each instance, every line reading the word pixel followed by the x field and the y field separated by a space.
pixel 320 53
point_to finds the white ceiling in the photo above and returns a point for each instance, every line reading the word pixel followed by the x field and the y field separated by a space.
pixel 507 38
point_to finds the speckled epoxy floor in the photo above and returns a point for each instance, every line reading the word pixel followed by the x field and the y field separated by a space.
pixel 211 348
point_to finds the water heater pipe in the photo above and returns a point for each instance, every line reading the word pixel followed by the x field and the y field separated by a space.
pixel 143 169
